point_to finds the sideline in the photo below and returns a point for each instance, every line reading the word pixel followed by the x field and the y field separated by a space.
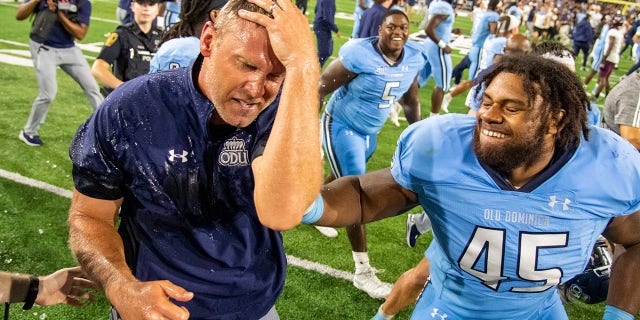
pixel 291 260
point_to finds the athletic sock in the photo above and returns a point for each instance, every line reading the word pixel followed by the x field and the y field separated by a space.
pixel 361 260
pixel 382 315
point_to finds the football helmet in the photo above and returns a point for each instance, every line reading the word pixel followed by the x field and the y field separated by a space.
pixel 591 286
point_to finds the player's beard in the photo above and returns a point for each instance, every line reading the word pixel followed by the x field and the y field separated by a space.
pixel 521 150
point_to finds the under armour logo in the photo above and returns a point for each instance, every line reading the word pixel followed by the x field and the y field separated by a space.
pixel 435 314
pixel 173 156
pixel 565 204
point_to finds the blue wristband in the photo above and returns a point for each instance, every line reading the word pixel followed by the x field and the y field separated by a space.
pixel 314 212
pixel 613 313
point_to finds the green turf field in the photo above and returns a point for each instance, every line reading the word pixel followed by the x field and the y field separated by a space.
pixel 33 232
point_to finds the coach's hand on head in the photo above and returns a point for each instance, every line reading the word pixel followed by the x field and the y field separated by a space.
pixel 292 46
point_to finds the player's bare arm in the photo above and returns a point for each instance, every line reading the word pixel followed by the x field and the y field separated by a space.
pixel 430 30
pixel 288 174
pixel 99 250
pixel 623 290
pixel 365 198
pixel 333 77
pixel 411 104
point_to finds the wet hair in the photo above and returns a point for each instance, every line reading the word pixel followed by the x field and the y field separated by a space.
pixel 193 14
pixel 394 12
pixel 559 87
pixel 229 13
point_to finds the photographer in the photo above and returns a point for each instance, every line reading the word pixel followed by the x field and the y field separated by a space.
pixel 55 27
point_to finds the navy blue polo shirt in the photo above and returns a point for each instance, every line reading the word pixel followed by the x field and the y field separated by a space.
pixel 188 214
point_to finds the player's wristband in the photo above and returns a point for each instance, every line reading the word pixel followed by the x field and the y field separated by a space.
pixel 314 212
pixel 34 283
pixel 613 313
pixel 441 44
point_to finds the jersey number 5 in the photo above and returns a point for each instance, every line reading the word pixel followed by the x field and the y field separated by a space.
pixel 386 95
pixel 485 253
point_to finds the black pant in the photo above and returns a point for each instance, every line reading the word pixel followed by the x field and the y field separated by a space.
pixel 584 47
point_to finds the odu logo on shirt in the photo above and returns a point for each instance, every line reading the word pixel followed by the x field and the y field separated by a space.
pixel 234 153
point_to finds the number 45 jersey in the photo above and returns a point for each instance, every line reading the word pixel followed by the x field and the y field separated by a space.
pixel 498 253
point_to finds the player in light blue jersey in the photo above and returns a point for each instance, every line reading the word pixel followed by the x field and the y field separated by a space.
pixel 492 50
pixel 484 25
pixel 370 75
pixel 438 30
pixel 597 53
pixel 171 13
pixel 512 213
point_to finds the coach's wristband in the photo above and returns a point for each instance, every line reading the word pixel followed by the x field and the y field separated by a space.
pixel 314 212
pixel 441 44
pixel 613 313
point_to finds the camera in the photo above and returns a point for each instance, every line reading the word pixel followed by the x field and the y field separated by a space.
pixel 66 6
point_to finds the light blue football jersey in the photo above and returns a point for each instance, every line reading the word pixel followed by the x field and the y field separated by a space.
pixel 491 48
pixel 480 30
pixel 363 103
pixel 443 30
pixel 499 253
pixel 598 48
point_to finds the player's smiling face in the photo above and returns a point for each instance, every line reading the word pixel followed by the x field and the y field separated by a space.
pixel 510 133
pixel 394 32
pixel 242 75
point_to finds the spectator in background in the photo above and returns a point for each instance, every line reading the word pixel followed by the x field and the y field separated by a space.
pixel 636 39
pixel 541 24
pixel 597 52
pixel 632 27
pixel 595 16
pixel 611 56
pixel 323 25
pixel 127 52
pixel 180 45
pixel 583 38
pixel 52 45
pixel 124 15
pixel 372 18
pixel 621 109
